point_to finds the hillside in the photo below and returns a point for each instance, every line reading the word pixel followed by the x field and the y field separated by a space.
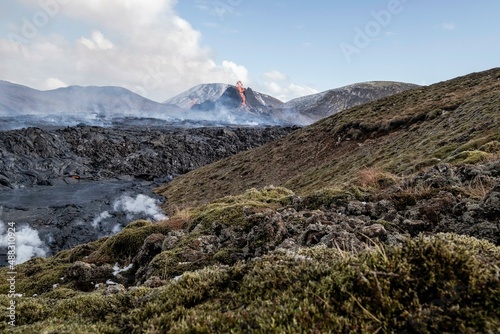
pixel 401 134
pixel 383 218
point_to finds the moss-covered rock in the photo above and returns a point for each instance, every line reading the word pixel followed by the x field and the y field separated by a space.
pixel 470 157
pixel 124 246
pixel 230 210
pixel 444 283
pixel 491 147
pixel 36 276
pixel 326 198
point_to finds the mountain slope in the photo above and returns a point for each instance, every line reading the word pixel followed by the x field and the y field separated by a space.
pixel 216 97
pixel 398 134
pixel 198 94
pixel 214 102
pixel 219 95
pixel 318 106
pixel 106 101
pixel 230 100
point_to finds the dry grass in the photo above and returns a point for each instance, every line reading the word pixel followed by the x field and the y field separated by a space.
pixel 180 219
pixel 375 178
pixel 479 187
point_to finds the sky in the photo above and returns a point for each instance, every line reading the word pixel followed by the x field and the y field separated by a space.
pixel 288 49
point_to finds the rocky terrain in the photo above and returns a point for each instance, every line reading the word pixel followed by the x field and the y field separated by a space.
pixel 382 218
pixel 60 182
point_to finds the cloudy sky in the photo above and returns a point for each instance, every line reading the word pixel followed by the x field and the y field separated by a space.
pixel 286 48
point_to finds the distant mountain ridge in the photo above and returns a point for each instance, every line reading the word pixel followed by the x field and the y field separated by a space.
pixel 321 105
pixel 104 101
pixel 214 102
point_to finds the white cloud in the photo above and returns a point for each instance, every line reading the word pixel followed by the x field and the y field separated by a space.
pixel 275 75
pixel 54 83
pixel 98 42
pixel 450 26
pixel 141 45
pixel 279 85
pixel 149 50
pixel 235 71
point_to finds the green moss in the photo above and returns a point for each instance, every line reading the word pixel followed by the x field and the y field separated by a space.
pixel 92 307
pixel 54 325
pixel 35 276
pixel 470 157
pixel 475 144
pixel 61 293
pixel 226 255
pixel 491 147
pixel 169 264
pixel 138 224
pixel 31 310
pixel 328 197
pixel 229 210
pixel 444 283
pixel 82 313
pixel 80 252
pixel 123 246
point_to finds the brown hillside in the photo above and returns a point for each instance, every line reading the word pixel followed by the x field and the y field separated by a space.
pixel 449 121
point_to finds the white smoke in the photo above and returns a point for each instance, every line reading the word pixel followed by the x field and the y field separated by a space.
pixel 117 228
pixel 28 243
pixel 97 220
pixel 140 205
pixel 117 269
